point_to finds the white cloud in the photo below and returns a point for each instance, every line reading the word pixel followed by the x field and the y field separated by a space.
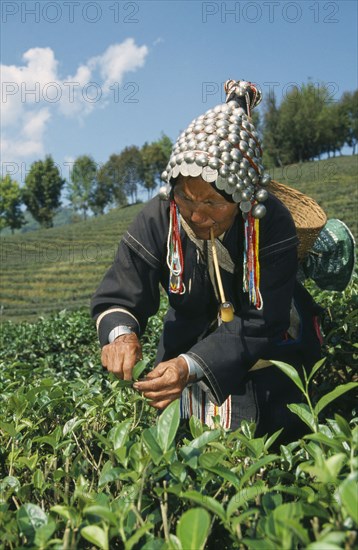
pixel 117 60
pixel 23 86
pixel 32 93
pixel 14 150
pixel 35 123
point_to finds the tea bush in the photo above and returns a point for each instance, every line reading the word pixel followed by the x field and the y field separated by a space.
pixel 86 463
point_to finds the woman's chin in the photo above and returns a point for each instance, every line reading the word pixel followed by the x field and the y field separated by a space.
pixel 202 233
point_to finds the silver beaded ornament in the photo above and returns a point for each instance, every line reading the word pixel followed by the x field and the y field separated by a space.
pixel 223 147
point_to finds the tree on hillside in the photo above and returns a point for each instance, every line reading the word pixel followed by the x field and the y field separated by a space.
pixel 11 214
pixel 331 130
pixel 349 105
pixel 109 177
pixel 42 191
pixel 129 165
pixel 102 191
pixel 83 180
pixel 299 127
pixel 155 157
pixel 271 137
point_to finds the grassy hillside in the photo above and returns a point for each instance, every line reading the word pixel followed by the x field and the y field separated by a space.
pixel 333 183
pixel 58 268
pixel 47 270
pixel 64 216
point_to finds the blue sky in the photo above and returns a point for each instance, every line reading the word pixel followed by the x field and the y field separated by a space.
pixel 83 77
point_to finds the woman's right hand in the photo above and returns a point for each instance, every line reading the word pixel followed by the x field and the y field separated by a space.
pixel 121 355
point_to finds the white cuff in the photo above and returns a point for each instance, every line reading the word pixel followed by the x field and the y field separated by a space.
pixel 193 367
pixel 118 331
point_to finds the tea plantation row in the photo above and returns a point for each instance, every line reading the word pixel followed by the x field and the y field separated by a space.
pixel 86 463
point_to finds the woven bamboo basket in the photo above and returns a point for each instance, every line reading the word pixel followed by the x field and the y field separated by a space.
pixel 308 216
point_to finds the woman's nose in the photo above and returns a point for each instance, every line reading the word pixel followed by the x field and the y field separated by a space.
pixel 197 215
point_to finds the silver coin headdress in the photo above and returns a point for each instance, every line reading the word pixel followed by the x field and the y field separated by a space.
pixel 223 147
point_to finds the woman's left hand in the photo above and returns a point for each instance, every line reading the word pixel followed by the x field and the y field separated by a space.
pixel 165 382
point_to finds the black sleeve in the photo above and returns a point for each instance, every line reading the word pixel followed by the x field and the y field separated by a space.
pixel 128 295
pixel 129 292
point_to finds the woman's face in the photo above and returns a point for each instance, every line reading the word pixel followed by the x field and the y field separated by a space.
pixel 202 207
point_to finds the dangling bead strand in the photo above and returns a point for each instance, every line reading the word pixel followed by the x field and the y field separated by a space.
pixel 251 282
pixel 175 260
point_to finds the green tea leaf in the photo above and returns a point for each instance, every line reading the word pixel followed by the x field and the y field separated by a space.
pixel 272 439
pixel 168 424
pixel 270 501
pixel 249 472
pixel 109 474
pixel 132 541
pixel 172 544
pixel 193 528
pixel 30 461
pixel 124 383
pixel 102 512
pixel 196 426
pixel 154 544
pixel 210 459
pixel 326 470
pixel 38 479
pixel 49 439
pixel 44 532
pixel 259 544
pixel 178 470
pixel 348 491
pixel 329 441
pixel 139 368
pixel 315 368
pixel 72 424
pixel 323 546
pixel 303 412
pixel 96 535
pixel 30 517
pixel 331 540
pixel 151 442
pixel 295 527
pixel 63 511
pixel 8 485
pixel 244 496
pixel 8 427
pixel 204 439
pixel 118 435
pixel 301 492
pixel 331 396
pixel 291 372
pixel 343 426
pixel 190 456
pixel 225 474
pixel 206 502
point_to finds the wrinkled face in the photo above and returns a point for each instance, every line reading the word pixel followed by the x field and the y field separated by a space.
pixel 202 207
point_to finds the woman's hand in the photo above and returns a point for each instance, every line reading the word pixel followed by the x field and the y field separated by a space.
pixel 121 355
pixel 165 382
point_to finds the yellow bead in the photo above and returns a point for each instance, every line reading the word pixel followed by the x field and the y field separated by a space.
pixel 226 312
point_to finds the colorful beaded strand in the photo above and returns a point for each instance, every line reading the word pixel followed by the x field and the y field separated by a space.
pixel 175 260
pixel 251 280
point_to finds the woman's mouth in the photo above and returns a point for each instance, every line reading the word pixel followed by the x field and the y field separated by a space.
pixel 201 231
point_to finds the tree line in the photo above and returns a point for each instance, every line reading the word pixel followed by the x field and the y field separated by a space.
pixel 308 124
pixel 90 189
pixel 304 126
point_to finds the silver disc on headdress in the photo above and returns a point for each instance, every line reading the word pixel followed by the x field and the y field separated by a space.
pixel 223 147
